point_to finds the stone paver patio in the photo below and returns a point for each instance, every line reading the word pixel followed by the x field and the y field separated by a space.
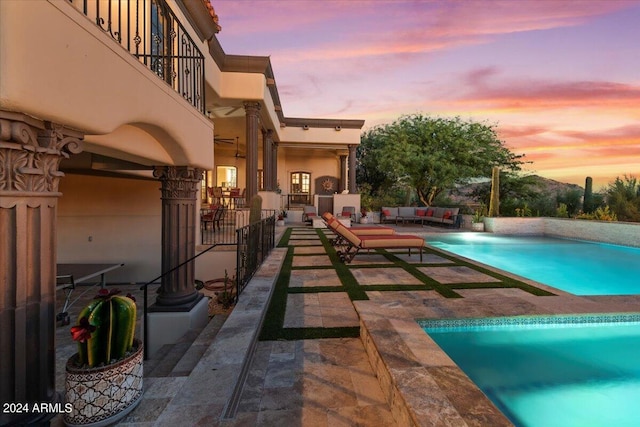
pixel 393 374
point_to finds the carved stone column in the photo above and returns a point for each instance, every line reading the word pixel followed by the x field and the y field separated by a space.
pixel 252 111
pixel 180 186
pixel 30 155
pixel 267 161
pixel 352 169
pixel 343 173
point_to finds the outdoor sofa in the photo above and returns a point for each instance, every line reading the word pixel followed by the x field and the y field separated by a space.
pixel 424 215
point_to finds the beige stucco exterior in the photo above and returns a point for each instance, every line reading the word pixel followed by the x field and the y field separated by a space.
pixel 103 157
pixel 59 66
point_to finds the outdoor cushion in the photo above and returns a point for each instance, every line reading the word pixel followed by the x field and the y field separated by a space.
pixel 406 211
pixel 430 212
pixel 421 212
pixel 386 212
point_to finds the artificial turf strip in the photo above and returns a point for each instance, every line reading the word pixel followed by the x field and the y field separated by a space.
pixel 284 240
pixel 351 285
pixel 443 290
pixel 274 319
pixel 291 334
pixel 511 282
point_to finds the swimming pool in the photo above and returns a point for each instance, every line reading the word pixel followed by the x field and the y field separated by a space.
pixel 575 266
pixel 550 371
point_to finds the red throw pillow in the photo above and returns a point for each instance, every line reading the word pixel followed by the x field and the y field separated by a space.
pixel 421 212
pixel 311 214
pixel 446 215
pixel 346 214
pixel 386 212
pixel 430 212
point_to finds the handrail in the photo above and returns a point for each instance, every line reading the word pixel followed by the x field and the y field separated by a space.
pixel 145 294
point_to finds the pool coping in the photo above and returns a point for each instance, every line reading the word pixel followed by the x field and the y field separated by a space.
pixel 423 386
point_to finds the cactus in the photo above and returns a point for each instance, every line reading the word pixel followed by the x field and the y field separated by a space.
pixel 587 203
pixel 105 328
pixel 255 210
pixel 494 201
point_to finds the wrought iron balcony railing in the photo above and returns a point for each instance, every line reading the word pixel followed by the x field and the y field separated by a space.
pixel 151 32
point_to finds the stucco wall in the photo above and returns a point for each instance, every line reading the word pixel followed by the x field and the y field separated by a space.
pixel 103 220
pixel 621 233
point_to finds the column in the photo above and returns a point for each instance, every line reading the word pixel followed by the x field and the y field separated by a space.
pixel 252 111
pixel 267 166
pixel 180 186
pixel 274 165
pixel 352 169
pixel 30 155
pixel 343 173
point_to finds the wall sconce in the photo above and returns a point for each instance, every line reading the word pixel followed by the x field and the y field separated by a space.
pixel 338 128
pixel 305 127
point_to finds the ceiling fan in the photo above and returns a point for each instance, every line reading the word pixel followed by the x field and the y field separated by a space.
pixel 217 139
pixel 238 155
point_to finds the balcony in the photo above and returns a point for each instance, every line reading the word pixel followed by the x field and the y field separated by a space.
pixel 151 32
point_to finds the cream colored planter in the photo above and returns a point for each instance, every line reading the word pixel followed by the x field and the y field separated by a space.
pixel 103 395
pixel 477 226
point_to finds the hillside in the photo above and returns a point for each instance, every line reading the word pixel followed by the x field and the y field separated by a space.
pixel 545 186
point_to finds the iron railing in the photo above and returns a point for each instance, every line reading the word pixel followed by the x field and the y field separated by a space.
pixel 254 243
pixel 297 200
pixel 151 32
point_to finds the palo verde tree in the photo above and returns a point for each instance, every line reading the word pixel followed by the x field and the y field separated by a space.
pixel 431 154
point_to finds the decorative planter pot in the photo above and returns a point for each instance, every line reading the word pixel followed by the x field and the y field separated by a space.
pixel 364 220
pixel 280 222
pixel 103 395
pixel 477 226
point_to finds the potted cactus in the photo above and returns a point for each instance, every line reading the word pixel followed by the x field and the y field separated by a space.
pixel 104 378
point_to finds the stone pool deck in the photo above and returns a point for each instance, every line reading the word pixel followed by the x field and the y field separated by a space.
pixel 393 374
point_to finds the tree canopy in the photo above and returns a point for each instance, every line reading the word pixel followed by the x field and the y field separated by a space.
pixel 430 154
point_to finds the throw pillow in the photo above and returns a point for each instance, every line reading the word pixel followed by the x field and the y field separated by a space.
pixel 446 215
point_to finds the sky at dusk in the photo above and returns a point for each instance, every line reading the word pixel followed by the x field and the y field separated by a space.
pixel 559 79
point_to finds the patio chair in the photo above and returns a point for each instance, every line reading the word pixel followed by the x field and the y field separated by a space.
pixel 348 212
pixel 216 195
pixel 308 213
pixel 351 244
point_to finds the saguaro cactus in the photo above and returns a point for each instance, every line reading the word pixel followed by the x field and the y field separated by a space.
pixel 494 201
pixel 587 203
pixel 105 329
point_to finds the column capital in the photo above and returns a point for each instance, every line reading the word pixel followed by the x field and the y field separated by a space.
pixel 31 151
pixel 251 107
pixel 179 182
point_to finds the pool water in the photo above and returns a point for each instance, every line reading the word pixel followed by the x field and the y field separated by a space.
pixel 575 266
pixel 545 372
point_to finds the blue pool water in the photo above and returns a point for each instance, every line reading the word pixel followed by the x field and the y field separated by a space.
pixel 575 266
pixel 544 372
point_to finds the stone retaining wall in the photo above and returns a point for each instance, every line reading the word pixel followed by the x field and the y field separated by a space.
pixel 619 233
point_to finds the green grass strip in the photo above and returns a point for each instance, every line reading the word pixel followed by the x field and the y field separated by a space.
pixel 355 291
pixel 284 240
pixel 291 334
pixel 274 319
pixel 443 290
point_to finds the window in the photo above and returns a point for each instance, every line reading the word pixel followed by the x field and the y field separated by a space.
pixel 227 176
pixel 300 182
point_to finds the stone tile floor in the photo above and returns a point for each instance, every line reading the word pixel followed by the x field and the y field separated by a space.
pixel 393 374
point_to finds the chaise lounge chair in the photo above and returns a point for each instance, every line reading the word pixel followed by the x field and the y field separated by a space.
pixel 331 222
pixel 350 244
